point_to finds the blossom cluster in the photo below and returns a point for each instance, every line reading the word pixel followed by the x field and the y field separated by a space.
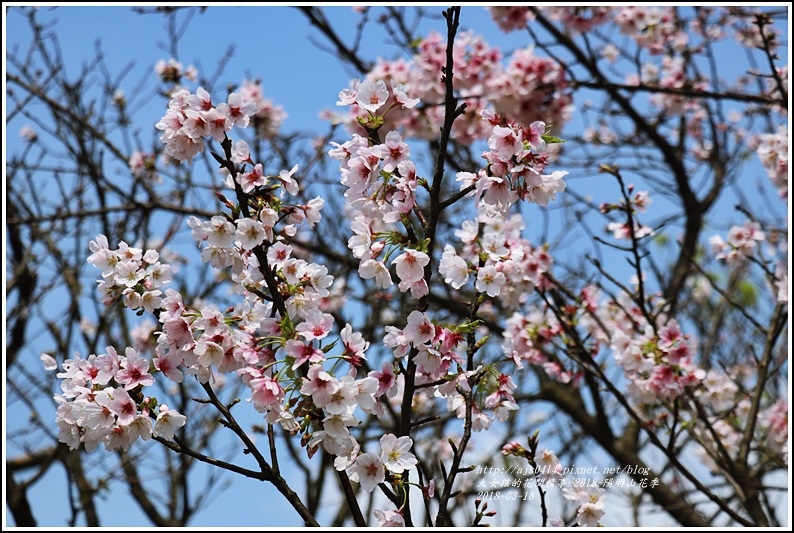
pixel 653 28
pixel 381 185
pixel 660 366
pixel 510 18
pixel 772 150
pixel 742 243
pixel 435 350
pixel 524 339
pixel 505 264
pixel 129 273
pixel 528 88
pixel 771 431
pixel 395 457
pixel 102 402
pixel 305 370
pixel 143 166
pixel 268 117
pixel 282 354
pixel 191 117
pixel 658 362
pixel 381 190
pixel 516 159
pixel 172 71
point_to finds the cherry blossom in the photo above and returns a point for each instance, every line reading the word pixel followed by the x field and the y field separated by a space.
pixel 168 421
pixel 489 280
pixel 316 326
pixel 419 329
pixel 134 371
pixel 368 471
pixel 395 453
pixel 172 71
pixel 389 518
pixel 372 268
pixel 371 95
pixel 267 118
pixel 454 268
pixel 410 267
pixel 589 514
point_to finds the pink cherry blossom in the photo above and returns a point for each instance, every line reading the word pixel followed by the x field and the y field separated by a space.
pixel 420 329
pixel 266 392
pixel 399 91
pixel 489 280
pixel 390 518
pixel 589 514
pixel 319 384
pixel 372 268
pixel 135 371
pixel 303 353
pixel 505 143
pixel 454 268
pixel 250 233
pixel 316 326
pixel 122 406
pixel 386 378
pixel 168 421
pixel 368 471
pixel 209 353
pixel 278 254
pixel 393 151
pixel 395 453
pixel 168 364
pixel 371 95
pixel 410 265
pixel 288 181
pixel 238 110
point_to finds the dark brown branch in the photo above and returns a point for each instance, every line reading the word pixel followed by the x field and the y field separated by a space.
pixel 691 206
pixel 17 501
pixel 685 91
pixel 126 208
pixel 672 502
pixel 141 495
pixel 350 497
pixel 580 355
pixel 317 18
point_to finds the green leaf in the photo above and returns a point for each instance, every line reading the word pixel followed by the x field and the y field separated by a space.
pixel 330 347
pixel 661 239
pixel 747 294
pixel 551 139
pixel 467 327
pixel 415 43
pixel 480 343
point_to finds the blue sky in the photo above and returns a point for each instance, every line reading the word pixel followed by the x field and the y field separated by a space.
pixel 271 43
pixel 274 43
